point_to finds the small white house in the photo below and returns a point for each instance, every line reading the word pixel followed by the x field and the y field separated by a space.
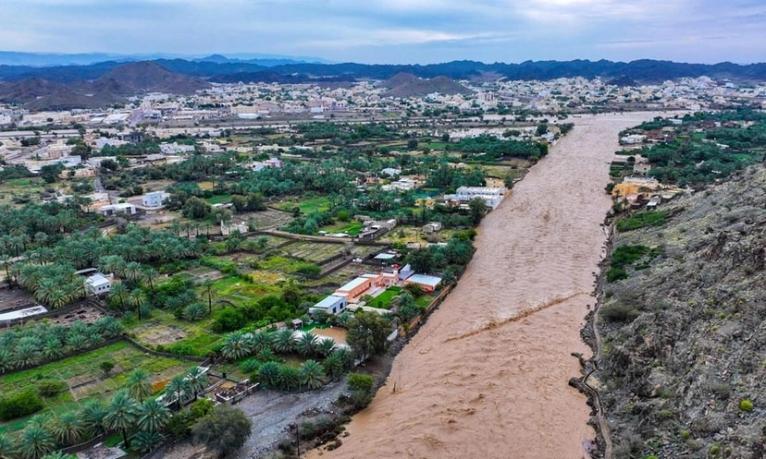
pixel 333 304
pixel 155 199
pixel 97 284
pixel 115 209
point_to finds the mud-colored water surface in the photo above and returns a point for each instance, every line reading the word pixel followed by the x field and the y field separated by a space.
pixel 486 376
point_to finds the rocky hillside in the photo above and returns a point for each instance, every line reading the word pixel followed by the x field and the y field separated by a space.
pixel 111 88
pixel 409 85
pixel 683 327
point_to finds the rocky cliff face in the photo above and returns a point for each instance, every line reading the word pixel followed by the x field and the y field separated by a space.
pixel 683 355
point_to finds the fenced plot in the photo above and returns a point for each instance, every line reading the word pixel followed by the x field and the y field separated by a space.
pixel 267 219
pixel 315 252
pixel 84 379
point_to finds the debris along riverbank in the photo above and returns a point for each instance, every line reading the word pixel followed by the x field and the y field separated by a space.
pixel 487 374
pixel 588 382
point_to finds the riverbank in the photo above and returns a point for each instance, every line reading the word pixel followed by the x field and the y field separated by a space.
pixel 487 374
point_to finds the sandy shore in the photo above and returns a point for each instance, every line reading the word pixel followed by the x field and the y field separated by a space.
pixel 487 375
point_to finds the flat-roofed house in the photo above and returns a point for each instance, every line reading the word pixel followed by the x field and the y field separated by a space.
pixel 97 284
pixel 354 288
pixel 333 304
pixel 425 282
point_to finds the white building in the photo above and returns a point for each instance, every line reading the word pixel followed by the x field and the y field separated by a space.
pixel 175 148
pixel 331 305
pixel 124 208
pixel 492 196
pixel 155 199
pixel 97 284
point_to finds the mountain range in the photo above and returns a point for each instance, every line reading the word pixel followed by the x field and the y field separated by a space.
pixel 70 86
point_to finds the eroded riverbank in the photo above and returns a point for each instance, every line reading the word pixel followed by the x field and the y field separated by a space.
pixel 487 375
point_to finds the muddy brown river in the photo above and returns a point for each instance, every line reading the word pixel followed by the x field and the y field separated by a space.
pixel 486 376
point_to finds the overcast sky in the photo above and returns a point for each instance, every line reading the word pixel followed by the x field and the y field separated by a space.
pixel 395 31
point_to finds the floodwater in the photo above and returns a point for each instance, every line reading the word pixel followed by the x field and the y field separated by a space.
pixel 486 376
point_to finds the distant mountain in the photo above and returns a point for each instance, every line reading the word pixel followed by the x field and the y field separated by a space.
pixel 52 59
pixel 261 61
pixel 57 59
pixel 271 76
pixel 222 68
pixel 103 82
pixel 110 88
pixel 141 77
pixel 409 85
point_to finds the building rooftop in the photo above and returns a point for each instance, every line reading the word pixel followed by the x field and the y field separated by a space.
pixel 328 302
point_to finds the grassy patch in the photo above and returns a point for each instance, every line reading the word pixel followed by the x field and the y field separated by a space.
pixel 642 220
pixel 351 228
pixel 383 301
pixel 219 199
pixel 84 378
pixel 307 205
pixel 626 256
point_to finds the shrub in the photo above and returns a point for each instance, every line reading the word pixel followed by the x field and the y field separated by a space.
pixel 19 404
pixel 618 312
pixel 614 274
pixel 51 388
pixel 223 430
pixel 746 405
pixel 194 312
pixel 360 382
pixel 641 220
pixel 227 319
pixel 309 270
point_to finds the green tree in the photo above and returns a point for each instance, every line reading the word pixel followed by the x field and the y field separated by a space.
pixel 367 334
pixel 35 442
pixel 224 430
pixel 312 374
pixel 68 428
pixel 139 385
pixel 152 415
pixel 197 380
pixel 122 414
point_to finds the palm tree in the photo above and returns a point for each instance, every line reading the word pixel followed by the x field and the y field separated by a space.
pixel 261 342
pixel 208 286
pixel 7 360
pixel 133 271
pixel 145 442
pixel 177 389
pixel 114 264
pixel 93 416
pixel 283 341
pixel 6 447
pixel 268 374
pixel 52 348
pixel 137 299
pixel 121 414
pixel 68 428
pixel 235 346
pixel 335 364
pixel 312 374
pixel 197 380
pixel 138 384
pixel 119 292
pixel 307 344
pixel 148 274
pixel 325 347
pixel 35 442
pixel 152 416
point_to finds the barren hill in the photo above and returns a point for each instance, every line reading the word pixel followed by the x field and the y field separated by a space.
pixel 682 370
pixel 409 85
